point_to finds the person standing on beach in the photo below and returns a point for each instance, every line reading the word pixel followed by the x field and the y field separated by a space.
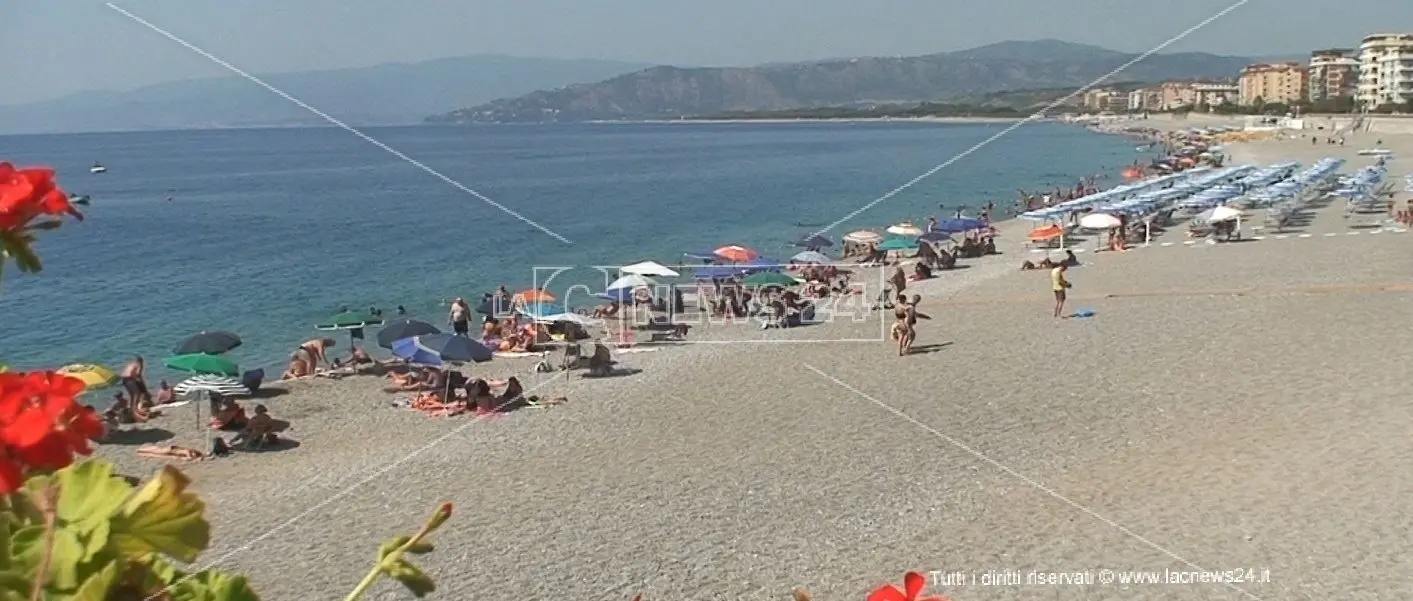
pixel 460 317
pixel 1060 286
pixel 134 381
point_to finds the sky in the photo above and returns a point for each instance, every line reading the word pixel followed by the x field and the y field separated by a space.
pixel 65 46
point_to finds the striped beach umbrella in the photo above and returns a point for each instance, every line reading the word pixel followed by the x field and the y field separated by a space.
pixel 222 385
pixel 93 376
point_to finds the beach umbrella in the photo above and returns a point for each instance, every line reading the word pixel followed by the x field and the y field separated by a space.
pixel 898 243
pixel 201 363
pixel 761 264
pixel 535 296
pixel 701 255
pixel 404 328
pixel 717 272
pixel 93 376
pixel 540 309
pixel 813 241
pixel 444 348
pixel 351 321
pixel 904 229
pixel 211 343
pixel 961 224
pixel 810 256
pixel 935 237
pixel 630 282
pixel 1220 214
pixel 1099 221
pixel 735 253
pixel 770 278
pixel 863 237
pixel 618 295
pixel 569 318
pixel 222 385
pixel 648 268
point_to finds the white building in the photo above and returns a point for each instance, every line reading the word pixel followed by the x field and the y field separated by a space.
pixel 1385 70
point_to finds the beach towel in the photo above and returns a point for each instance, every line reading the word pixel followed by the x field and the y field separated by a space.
pixel 1049 232
pixel 625 351
pixel 516 354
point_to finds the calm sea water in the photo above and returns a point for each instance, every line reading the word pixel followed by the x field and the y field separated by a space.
pixel 267 231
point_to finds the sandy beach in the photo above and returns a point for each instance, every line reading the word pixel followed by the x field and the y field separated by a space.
pixel 1228 407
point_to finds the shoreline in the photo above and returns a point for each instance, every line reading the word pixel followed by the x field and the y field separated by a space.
pixel 773 121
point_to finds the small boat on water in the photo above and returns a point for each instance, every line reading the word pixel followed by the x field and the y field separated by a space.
pixel 97 168
pixel 81 199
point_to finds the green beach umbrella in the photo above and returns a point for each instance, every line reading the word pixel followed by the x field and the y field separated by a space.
pixel 201 363
pixel 770 278
pixel 349 320
pixel 898 243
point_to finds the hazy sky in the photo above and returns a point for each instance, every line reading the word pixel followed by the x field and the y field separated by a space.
pixel 61 46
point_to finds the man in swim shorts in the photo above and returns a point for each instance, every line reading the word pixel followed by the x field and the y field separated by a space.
pixel 1060 285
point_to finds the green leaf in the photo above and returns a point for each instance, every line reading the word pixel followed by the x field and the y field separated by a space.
pixel 89 493
pixel 163 518
pixel 99 584
pixel 421 549
pixel 14 586
pixel 27 549
pixel 17 245
pixel 4 541
pixel 417 582
pixel 212 585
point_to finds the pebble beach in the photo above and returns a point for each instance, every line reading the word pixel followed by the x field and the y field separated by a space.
pixel 1236 406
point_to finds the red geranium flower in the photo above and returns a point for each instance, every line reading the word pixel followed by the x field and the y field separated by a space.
pixel 28 193
pixel 913 583
pixel 41 425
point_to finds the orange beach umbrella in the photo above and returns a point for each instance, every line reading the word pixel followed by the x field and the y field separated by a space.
pixel 739 254
pixel 535 296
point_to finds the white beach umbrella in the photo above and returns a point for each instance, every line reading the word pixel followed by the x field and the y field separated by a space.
pixel 648 268
pixel 223 385
pixel 1220 214
pixel 630 281
pixel 863 237
pixel 905 229
pixel 810 256
pixel 1099 221
pixel 569 318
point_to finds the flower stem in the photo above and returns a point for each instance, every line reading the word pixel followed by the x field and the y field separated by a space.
pixel 395 556
pixel 50 508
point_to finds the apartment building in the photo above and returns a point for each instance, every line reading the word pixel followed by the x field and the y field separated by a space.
pixel 1145 99
pixel 1213 94
pixel 1333 73
pixel 1176 94
pixel 1273 82
pixel 1385 70
pixel 1106 99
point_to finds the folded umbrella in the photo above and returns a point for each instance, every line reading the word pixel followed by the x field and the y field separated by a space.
pixel 404 328
pixel 211 343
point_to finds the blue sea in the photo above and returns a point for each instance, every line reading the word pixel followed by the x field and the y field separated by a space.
pixel 266 231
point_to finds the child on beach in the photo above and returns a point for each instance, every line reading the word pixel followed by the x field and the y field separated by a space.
pixel 1060 286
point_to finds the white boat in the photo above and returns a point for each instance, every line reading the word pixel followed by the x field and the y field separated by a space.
pixel 97 168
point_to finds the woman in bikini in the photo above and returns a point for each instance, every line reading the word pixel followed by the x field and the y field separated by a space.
pixel 313 353
pixel 902 331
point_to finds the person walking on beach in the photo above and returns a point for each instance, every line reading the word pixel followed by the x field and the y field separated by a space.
pixel 460 317
pixel 1061 286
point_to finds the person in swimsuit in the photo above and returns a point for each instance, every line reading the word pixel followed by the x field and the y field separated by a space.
pixel 902 332
pixel 134 383
pixel 313 352
pixel 1060 286
pixel 460 317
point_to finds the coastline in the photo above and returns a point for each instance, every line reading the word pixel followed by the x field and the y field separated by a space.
pixel 930 120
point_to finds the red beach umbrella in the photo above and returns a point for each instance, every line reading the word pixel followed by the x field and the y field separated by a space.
pixel 737 254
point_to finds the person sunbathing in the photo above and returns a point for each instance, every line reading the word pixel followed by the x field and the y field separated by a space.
pixel 165 394
pixel 125 411
pixel 298 368
pixel 153 451
pixel 405 379
pixel 432 404
pixel 479 397
pixel 490 329
pixel 259 430
pixel 227 415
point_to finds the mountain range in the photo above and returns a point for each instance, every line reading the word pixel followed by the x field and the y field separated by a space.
pixel 667 92
pixel 389 94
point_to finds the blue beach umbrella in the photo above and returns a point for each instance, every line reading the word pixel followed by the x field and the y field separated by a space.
pixel 813 241
pixel 961 225
pixel 538 310
pixel 620 295
pixel 935 237
pixel 760 264
pixel 810 256
pixel 435 349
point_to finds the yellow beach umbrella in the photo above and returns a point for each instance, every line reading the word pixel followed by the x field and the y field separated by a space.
pixel 93 376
